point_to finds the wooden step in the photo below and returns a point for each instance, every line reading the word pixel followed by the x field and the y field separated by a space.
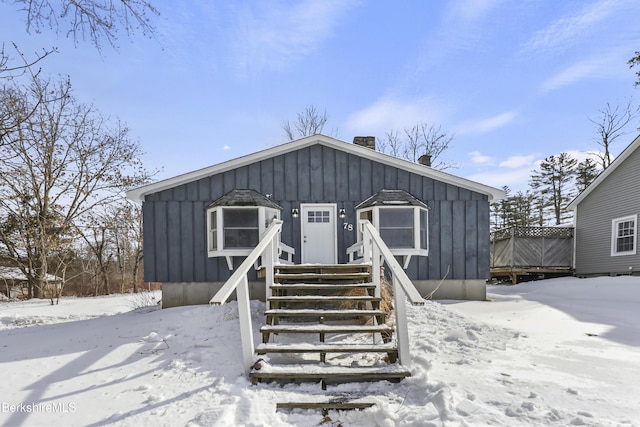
pixel 323 298
pixel 325 348
pixel 326 406
pixel 329 373
pixel 322 268
pixel 321 277
pixel 312 313
pixel 322 286
pixel 324 329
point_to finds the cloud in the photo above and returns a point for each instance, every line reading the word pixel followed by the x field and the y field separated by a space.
pixel 515 162
pixel 226 147
pixel 566 32
pixel 273 35
pixel 596 67
pixel 389 113
pixel 480 159
pixel 487 124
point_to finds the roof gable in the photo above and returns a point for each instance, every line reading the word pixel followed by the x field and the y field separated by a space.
pixel 631 148
pixel 140 192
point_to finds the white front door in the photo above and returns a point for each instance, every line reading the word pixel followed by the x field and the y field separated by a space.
pixel 319 233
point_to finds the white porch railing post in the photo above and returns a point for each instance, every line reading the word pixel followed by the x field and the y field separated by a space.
pixel 402 330
pixel 246 329
pixel 267 263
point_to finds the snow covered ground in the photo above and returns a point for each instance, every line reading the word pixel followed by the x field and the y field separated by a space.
pixel 555 352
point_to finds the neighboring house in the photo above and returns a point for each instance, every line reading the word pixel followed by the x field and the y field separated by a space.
pixel 199 226
pixel 13 283
pixel 606 219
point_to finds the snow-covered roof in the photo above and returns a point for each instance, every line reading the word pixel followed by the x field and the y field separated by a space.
pixel 140 192
pixel 15 274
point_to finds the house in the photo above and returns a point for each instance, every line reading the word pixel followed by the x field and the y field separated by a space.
pixel 13 283
pixel 606 219
pixel 198 227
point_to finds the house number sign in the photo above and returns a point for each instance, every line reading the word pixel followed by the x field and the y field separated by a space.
pixel 347 226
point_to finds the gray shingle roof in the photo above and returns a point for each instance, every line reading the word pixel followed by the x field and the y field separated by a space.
pixel 244 198
pixel 392 198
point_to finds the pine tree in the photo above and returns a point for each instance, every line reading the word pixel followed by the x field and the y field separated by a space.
pixel 554 182
pixel 586 172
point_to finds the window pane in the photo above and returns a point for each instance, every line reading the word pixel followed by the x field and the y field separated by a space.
pixel 423 230
pixel 398 237
pixel 396 227
pixel 240 238
pixel 396 217
pixel 625 232
pixel 240 218
pixel 240 228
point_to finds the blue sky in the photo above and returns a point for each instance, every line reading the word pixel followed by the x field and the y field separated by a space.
pixel 514 81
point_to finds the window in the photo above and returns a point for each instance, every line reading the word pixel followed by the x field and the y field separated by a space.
pixel 213 231
pixel 397 227
pixel 623 235
pixel 318 216
pixel 237 229
pixel 240 228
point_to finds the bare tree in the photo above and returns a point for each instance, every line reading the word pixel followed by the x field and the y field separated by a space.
pixel 11 67
pixel 95 20
pixel 419 139
pixel 610 127
pixel 61 162
pixel 309 122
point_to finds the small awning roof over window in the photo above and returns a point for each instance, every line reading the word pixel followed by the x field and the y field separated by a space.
pixel 392 198
pixel 244 198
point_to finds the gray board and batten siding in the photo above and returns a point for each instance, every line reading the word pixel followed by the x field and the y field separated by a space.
pixel 613 196
pixel 175 234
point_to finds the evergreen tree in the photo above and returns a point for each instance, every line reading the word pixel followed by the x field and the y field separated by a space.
pixel 554 182
pixel 586 172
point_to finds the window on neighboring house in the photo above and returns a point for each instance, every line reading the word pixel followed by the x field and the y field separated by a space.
pixel 623 235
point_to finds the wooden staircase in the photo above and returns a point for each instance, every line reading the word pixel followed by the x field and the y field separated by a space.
pixel 325 324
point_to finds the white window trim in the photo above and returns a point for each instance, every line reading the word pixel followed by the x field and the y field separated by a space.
pixel 417 246
pixel 614 235
pixel 221 251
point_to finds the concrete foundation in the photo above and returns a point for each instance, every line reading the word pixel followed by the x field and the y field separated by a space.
pixel 175 294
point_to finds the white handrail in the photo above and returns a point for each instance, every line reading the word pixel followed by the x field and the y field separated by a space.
pixel 407 286
pixel 373 249
pixel 238 281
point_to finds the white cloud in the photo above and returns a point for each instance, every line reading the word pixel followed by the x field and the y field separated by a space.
pixel 272 35
pixel 515 162
pixel 590 68
pixel 390 113
pixel 487 124
pixel 480 159
pixel 226 147
pixel 566 31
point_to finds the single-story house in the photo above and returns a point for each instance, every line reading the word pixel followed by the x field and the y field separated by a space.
pixel 13 282
pixel 199 226
pixel 606 219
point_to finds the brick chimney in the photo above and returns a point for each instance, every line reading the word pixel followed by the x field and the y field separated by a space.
pixel 365 141
pixel 425 160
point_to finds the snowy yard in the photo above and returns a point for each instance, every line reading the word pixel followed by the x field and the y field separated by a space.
pixel 555 352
